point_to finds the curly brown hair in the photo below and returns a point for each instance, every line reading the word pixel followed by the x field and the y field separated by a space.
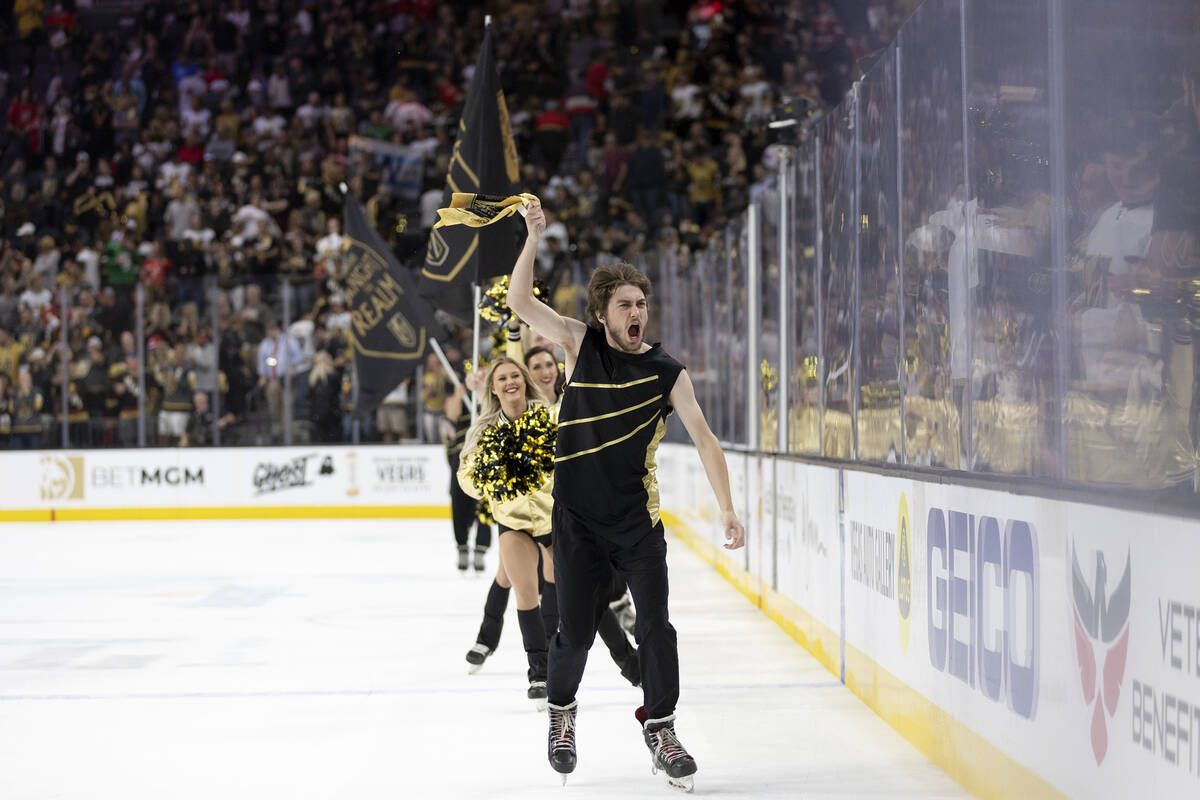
pixel 606 280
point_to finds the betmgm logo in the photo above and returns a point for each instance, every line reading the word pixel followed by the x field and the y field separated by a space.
pixel 61 477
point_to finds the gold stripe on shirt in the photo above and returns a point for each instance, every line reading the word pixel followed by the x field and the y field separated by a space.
pixel 647 379
pixel 611 413
pixel 618 440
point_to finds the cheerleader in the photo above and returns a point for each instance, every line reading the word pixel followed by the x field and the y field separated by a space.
pixel 507 460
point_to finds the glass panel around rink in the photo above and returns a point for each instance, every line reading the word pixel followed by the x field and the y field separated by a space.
pixel 838 221
pixel 804 343
pixel 1013 413
pixel 739 331
pixel 1131 120
pixel 935 280
pixel 880 329
pixel 769 232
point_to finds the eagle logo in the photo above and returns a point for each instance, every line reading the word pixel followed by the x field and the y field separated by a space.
pixel 1101 642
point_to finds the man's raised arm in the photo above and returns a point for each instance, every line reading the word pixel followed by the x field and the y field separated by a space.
pixel 564 331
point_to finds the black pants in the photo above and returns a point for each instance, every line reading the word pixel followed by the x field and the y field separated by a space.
pixel 462 513
pixel 583 564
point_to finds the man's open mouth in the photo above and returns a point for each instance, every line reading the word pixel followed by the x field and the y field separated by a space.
pixel 635 331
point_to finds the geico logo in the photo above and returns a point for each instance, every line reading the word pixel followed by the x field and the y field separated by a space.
pixel 130 477
pixel 983 605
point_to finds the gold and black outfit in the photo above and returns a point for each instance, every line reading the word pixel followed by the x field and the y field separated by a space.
pixel 606 513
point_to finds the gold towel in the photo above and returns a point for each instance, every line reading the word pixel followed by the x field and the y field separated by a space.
pixel 478 210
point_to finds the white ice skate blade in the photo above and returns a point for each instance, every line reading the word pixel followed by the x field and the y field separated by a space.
pixel 473 668
pixel 540 704
pixel 684 784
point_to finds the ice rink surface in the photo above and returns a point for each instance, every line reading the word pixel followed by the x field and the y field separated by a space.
pixel 306 660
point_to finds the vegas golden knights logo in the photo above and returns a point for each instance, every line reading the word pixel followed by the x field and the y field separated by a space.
pixel 403 330
pixel 435 256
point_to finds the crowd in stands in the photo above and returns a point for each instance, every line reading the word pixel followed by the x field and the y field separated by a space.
pixel 187 156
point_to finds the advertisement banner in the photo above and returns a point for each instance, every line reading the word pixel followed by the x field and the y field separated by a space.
pixel 807 548
pixel 231 478
pixel 1032 621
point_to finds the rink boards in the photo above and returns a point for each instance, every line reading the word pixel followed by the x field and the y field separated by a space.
pixel 1028 646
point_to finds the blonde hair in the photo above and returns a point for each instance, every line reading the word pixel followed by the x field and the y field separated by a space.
pixel 322 367
pixel 489 414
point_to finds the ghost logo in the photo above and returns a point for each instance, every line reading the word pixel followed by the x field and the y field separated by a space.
pixel 1101 627
pixel 327 465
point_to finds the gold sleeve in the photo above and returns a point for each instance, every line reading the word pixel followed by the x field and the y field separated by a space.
pixel 466 472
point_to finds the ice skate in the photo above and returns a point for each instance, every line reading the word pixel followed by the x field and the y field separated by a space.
pixel 476 656
pixel 560 748
pixel 537 693
pixel 464 558
pixel 666 751
pixel 480 559
pixel 623 608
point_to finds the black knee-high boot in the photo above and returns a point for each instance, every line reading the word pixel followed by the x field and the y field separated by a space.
pixel 533 634
pixel 493 616
pixel 550 609
pixel 622 652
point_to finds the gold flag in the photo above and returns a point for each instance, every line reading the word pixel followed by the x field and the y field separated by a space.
pixel 478 210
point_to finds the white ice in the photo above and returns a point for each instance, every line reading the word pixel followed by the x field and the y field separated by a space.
pixel 314 660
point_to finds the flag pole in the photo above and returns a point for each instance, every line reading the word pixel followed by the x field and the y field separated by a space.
pixel 476 293
pixel 437 349
pixel 476 296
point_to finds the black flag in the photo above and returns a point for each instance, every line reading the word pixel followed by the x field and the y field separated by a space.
pixel 390 326
pixel 484 161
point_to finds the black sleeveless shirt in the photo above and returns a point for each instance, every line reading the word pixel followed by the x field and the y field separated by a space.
pixel 614 414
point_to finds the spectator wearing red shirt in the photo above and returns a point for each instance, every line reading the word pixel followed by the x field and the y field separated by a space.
pixel 155 270
pixel 191 151
pixel 550 132
pixel 581 109
pixel 596 78
pixel 23 116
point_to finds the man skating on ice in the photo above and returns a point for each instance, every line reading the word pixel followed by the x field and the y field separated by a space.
pixel 606 500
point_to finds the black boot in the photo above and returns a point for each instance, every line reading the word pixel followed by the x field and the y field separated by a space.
pixel 561 745
pixel 493 616
pixel 533 635
pixel 667 753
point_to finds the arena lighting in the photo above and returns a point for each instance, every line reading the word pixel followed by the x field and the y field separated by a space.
pixel 782 123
